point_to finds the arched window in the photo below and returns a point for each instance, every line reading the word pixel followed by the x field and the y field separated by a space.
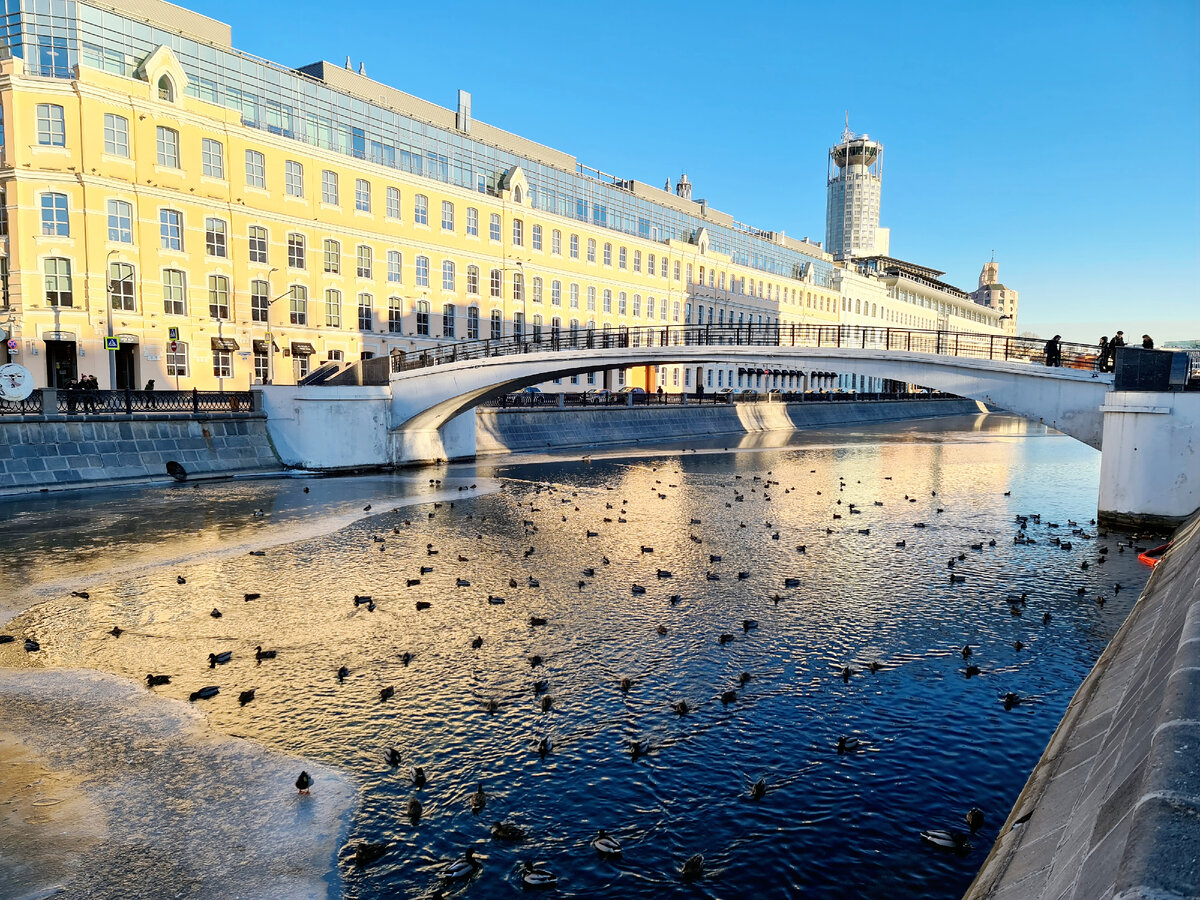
pixel 496 283
pixel 448 320
pixel 518 286
pixel 537 329
pixel 423 317
pixel 517 194
pixel 166 89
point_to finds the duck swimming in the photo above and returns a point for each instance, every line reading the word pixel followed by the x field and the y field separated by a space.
pixel 759 789
pixel 156 680
pixel 367 853
pixel 342 673
pixel 205 693
pixel 605 844
pixel 848 745
pixel 414 809
pixel 246 696
pixel 261 654
pixel 538 878
pixel 392 755
pixel 386 694
pixel 478 801
pixel 215 659
pixel 462 868
pixel 954 841
pixel 974 819
pixel 503 831
pixel 693 869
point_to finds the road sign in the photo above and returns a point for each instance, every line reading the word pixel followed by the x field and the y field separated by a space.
pixel 112 343
pixel 172 335
pixel 174 346
pixel 12 343
pixel 267 336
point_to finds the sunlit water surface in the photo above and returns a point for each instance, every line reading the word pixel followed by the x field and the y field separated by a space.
pixel 935 742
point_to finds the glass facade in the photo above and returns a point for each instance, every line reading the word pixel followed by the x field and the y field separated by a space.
pixel 54 35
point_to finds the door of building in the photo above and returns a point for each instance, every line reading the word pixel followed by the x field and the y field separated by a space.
pixel 61 367
pixel 125 358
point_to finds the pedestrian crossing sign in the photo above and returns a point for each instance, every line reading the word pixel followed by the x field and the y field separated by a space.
pixel 112 343
pixel 172 334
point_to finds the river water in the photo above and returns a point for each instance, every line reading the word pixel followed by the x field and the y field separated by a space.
pixel 567 539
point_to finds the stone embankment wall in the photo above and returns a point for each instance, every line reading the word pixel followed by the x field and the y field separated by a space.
pixel 1112 809
pixel 56 454
pixel 506 430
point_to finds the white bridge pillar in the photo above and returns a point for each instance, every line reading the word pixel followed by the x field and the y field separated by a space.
pixel 1150 464
pixel 453 441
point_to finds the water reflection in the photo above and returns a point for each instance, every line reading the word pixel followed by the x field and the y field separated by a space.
pixel 567 540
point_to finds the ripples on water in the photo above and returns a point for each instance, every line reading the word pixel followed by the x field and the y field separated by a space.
pixel 936 743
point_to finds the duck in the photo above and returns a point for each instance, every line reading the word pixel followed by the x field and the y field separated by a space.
pixel 462 868
pixel 342 672
pixel 205 693
pixel 392 755
pixel 536 621
pixel 216 613
pixel 386 694
pixel 947 839
pixel 605 844
pixel 179 579
pixel 304 782
pixel 848 744
pixel 1018 645
pixel 414 809
pixel 547 703
pixel 534 661
pixel 156 680
pixel 246 696
pixel 477 643
pixel 681 707
pixel 540 687
pixel 1011 699
pixel 83 595
pixel 693 868
pixel 661 629
pixel 744 677
pixel 966 651
pixel 638 748
pixel 974 819
pixel 729 697
pixel 423 604
pixel 537 878
pixel 759 789
pixel 478 800
pixel 638 589
pixel 725 639
pixel 116 631
pixel 543 747
pixel 503 831
pixel 419 778
pixel 367 853
pixel 215 659
pixel 626 684
pixel 260 653
pixel 846 673
pixel 972 671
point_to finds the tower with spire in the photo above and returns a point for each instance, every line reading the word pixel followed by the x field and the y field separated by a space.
pixel 855 183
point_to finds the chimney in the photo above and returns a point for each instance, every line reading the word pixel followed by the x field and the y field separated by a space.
pixel 684 187
pixel 349 68
pixel 362 69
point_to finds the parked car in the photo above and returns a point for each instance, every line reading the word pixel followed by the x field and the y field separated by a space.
pixel 631 390
pixel 725 394
pixel 597 395
pixel 748 393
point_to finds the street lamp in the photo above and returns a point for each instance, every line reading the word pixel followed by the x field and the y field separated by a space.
pixel 270 338
pixel 108 294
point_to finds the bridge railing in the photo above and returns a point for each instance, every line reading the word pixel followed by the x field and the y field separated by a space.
pixel 940 343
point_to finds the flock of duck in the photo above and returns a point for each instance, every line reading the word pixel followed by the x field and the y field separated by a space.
pixel 537 875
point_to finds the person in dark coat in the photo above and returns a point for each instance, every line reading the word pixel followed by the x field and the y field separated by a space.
pixel 1054 351
pixel 1117 341
pixel 1102 354
pixel 1147 342
pixel 149 391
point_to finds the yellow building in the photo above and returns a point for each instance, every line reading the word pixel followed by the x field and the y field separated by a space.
pixel 189 202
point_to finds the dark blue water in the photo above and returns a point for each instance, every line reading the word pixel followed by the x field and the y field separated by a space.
pixel 934 742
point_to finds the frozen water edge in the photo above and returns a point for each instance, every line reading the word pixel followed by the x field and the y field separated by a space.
pixel 108 791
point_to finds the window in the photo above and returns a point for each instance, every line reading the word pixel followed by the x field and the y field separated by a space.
pixel 472 323
pixel 218 296
pixel 298 305
pixel 676 275
pixel 448 320
pixel 174 293
pixel 423 317
pixel 556 242
pixel 637 305
pixel 395 316
pixel 472 221
pixel 574 246
pixel 494 227
pixel 212 158
pixel 422 268
pixel 591 257
pixel 58 282
pixel 168 147
pixel 447 275
pixel 608 254
pixel 51 125
pixel 537 329
pixel 574 296
pixel 177 359
pixel 120 286
pixel 333 256
pixel 473 280
pixel 116 135
pixel 170 229
pixel 518 238
pixel 537 237
pixel 649 263
pixel 447 216
pixel 365 261
pixel 260 302
pixel 293 178
pixel 395 267
pixel 295 245
pixel 621 303
pixel 301 363
pixel 663 269
pixel 365 317
pixel 362 195
pixel 496 283
pixel 421 209
pixel 556 293
pixel 166 89
pixel 518 325
pixel 222 363
pixel 54 215
pixel 537 289
pixel 393 203
pixel 496 331
pixel 519 287
pixel 608 301
pixel 622 258
pixel 262 365
pixel 215 238
pixel 637 261
pixel 591 299
pixel 258 244
pixel 256 169
pixel 329 187
pixel 333 308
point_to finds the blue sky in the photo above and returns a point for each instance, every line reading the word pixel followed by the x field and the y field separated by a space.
pixel 1063 136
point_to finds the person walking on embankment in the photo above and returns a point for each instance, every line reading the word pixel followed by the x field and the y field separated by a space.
pixel 1054 351
pixel 1117 341
pixel 1102 354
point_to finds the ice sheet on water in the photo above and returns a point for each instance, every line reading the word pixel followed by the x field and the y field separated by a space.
pixel 115 792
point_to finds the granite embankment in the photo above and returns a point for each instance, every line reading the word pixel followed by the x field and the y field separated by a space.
pixel 1112 809
pixel 539 428
pixel 45 453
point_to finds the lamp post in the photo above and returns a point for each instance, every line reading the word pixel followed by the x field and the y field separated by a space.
pixel 108 294
pixel 270 338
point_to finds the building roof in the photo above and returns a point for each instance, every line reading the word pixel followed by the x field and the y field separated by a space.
pixel 887 265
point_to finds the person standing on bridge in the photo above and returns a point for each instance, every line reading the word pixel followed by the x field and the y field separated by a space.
pixel 1117 341
pixel 1147 342
pixel 1054 351
pixel 1102 354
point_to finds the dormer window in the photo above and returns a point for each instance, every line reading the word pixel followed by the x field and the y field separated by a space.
pixel 517 194
pixel 166 89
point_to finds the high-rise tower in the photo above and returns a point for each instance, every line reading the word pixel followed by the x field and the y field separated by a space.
pixel 852 211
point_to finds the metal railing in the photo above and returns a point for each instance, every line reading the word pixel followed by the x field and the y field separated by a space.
pixel 128 402
pixel 30 406
pixel 940 343
pixel 619 399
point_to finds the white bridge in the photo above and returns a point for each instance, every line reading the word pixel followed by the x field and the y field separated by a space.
pixel 425 412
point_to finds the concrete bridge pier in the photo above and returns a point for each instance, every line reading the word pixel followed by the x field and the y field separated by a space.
pixel 1150 466
pixel 453 441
